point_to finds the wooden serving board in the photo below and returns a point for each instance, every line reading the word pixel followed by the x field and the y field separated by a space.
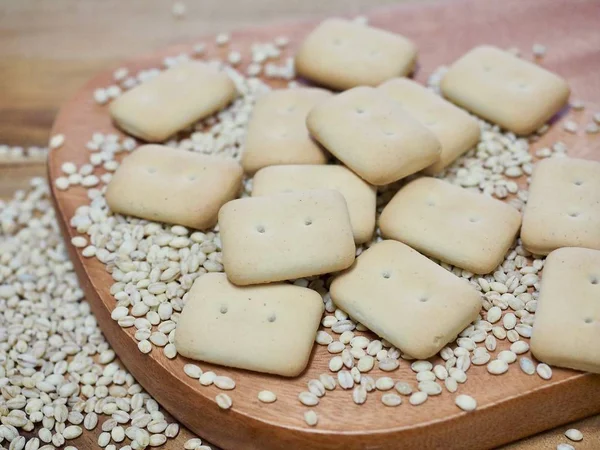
pixel 511 406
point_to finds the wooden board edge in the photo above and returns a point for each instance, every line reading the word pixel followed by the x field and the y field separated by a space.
pixel 574 392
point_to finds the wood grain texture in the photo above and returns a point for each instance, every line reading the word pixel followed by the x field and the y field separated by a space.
pixel 533 405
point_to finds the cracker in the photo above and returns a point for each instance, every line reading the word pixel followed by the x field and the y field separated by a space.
pixel 457 226
pixel 175 186
pixel 286 236
pixel 268 328
pixel 563 208
pixel 277 131
pixel 406 298
pixel 504 89
pixel 456 130
pixel 372 135
pixel 360 196
pixel 341 54
pixel 172 101
pixel 566 332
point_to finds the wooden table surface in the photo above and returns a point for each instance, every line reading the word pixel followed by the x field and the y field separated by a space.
pixel 48 49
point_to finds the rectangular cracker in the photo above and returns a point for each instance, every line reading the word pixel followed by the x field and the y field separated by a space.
pixel 173 100
pixel 563 209
pixel 174 186
pixel 277 131
pixel 516 94
pixel 566 332
pixel 360 196
pixel 372 135
pixel 406 298
pixel 342 54
pixel 286 236
pixel 456 130
pixel 268 328
pixel 457 226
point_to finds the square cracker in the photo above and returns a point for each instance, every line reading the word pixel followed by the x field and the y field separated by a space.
pixel 456 129
pixel 457 226
pixel 563 209
pixel 566 332
pixel 268 328
pixel 286 236
pixel 516 94
pixel 277 131
pixel 372 135
pixel 175 186
pixel 406 298
pixel 173 100
pixel 342 54
pixel 360 196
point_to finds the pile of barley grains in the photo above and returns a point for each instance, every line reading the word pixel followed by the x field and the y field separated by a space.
pixel 16 153
pixel 58 374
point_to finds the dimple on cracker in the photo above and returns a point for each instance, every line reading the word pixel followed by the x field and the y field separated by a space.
pixel 373 135
pixel 452 224
pixel 277 131
pixel 406 298
pixel 173 100
pixel 342 54
pixel 563 208
pixel 516 94
pixel 566 331
pixel 456 130
pixel 285 236
pixel 269 328
pixel 170 185
pixel 359 195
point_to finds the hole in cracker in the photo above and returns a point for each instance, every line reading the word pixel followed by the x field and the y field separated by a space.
pixel 522 85
pixel 473 219
pixel 487 68
pixel 291 108
pixel 594 279
pixel 337 41
pixel 191 177
pixel 260 229
pixel 430 203
pixel 386 274
pixel 308 221
pixel 360 111
pixel 423 299
pixel 181 77
pixel 573 214
pixel 272 318
pixel 388 133
pixel 589 320
pixel 223 309
pixel 578 183
pixel 151 170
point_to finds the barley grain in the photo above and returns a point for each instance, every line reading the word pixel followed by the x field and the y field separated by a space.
pixel 311 418
pixel 574 434
pixel 466 402
pixel 418 398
